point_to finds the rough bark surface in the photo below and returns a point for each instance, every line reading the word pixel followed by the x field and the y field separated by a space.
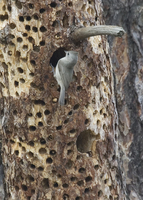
pixel 52 152
pixel 127 58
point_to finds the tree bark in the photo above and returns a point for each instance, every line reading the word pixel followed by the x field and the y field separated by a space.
pixel 127 62
pixel 48 151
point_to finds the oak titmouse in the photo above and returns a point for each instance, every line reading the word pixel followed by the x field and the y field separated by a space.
pixel 64 72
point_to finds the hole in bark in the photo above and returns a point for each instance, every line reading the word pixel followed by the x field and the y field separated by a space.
pixel 16 83
pixel 9 8
pixel 49 160
pixel 32 128
pixel 33 191
pixel 30 154
pixel 69 164
pixel 86 121
pixel 17 94
pixel 73 179
pixel 70 143
pixel 80 183
pixel 27 27
pixel 36 48
pixel 20 144
pixel 84 141
pixel 46 112
pixel 22 80
pixel 58 54
pixel 35 29
pixel 43 29
pixel 72 130
pixel 66 121
pixel 16 152
pixel 18 4
pixel 39 102
pixel 25 35
pixel 55 184
pixel 76 107
pixel 31 74
pixel 40 169
pixel 40 124
pixel 88 178
pixel 16 188
pixel 21 18
pixel 35 17
pixel 65 21
pixel 30 178
pixel 98 122
pixel 45 183
pixel 18 54
pixel 70 113
pixel 9 53
pixel 3 17
pixel 28 18
pixel 11 43
pixel 69 152
pixel 4 8
pixel 55 24
pixel 12 141
pixel 31 40
pixel 65 185
pixel 78 198
pixel 53 152
pixel 33 85
pixel 32 166
pixel 104 127
pixel 32 62
pixel 59 127
pixel 50 137
pixel 105 181
pixel 70 3
pixel 42 10
pixel 23 149
pixel 96 167
pixel 100 193
pixel 53 4
pixel 65 197
pixel 42 151
pixel 42 141
pixel 78 157
pixel 20 70
pixel 81 170
pixel 39 114
pixel 79 88
pixel 42 43
pixel 12 25
pixel 31 6
pixel 86 190
pixel 24 187
pixel 15 112
pixel 31 143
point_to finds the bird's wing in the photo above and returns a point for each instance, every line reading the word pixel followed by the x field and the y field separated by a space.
pixel 65 73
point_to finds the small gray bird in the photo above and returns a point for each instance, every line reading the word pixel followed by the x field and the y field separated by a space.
pixel 64 72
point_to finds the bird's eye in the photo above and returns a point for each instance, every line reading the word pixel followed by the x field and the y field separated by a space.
pixel 68 54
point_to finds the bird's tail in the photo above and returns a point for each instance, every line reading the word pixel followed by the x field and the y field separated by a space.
pixel 62 96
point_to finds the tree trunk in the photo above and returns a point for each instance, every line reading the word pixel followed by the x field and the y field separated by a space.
pixel 127 62
pixel 54 152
